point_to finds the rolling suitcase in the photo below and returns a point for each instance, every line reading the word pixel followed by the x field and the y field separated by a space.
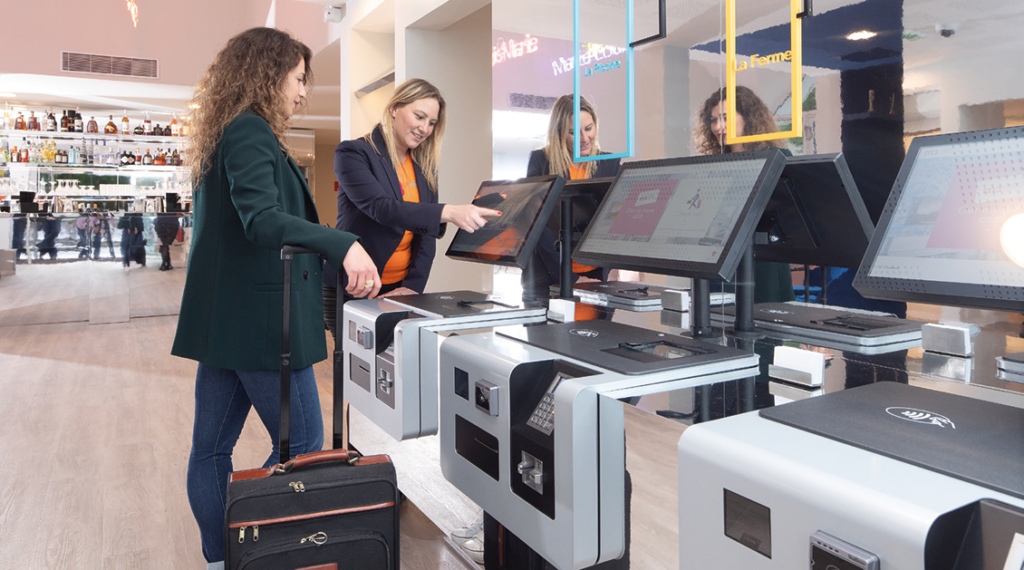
pixel 329 510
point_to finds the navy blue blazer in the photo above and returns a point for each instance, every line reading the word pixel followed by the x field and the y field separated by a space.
pixel 370 206
pixel 544 270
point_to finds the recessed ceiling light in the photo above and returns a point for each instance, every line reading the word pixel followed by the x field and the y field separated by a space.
pixel 861 35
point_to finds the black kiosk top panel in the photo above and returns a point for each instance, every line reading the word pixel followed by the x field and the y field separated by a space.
pixel 815 216
pixel 623 348
pixel 510 239
pixel 690 217
pixel 938 239
pixel 973 440
pixel 457 303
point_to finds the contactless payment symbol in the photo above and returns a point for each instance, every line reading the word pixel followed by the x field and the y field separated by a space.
pixel 920 416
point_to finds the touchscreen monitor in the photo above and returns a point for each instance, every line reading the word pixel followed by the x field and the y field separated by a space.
pixel 815 216
pixel 509 239
pixel 690 217
pixel 938 239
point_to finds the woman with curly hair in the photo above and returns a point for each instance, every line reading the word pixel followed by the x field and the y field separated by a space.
pixel 773 282
pixel 752 118
pixel 250 200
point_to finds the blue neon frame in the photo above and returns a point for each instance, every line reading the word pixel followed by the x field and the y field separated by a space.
pixel 576 87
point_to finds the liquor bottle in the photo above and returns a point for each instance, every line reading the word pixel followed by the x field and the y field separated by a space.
pixel 51 122
pixel 147 160
pixel 8 125
pixel 147 125
pixel 63 125
pixel 139 130
pixel 79 125
pixel 122 158
pixel 33 122
pixel 92 127
pixel 174 126
pixel 176 158
pixel 19 123
pixel 110 128
pixel 138 157
pixel 160 159
pixel 125 127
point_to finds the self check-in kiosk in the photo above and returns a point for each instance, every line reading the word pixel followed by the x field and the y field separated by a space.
pixel 391 352
pixel 885 476
pixel 390 344
pixel 532 429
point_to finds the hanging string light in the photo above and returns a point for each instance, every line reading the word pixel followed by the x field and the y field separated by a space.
pixel 133 9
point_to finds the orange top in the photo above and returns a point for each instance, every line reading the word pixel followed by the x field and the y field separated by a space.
pixel 397 266
pixel 579 173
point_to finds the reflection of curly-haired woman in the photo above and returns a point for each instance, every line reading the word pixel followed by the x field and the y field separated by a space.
pixel 752 118
pixel 773 281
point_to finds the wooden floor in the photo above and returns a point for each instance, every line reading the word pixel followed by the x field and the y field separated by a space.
pixel 97 418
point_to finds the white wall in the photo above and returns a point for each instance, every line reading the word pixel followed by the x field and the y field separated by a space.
pixel 457 60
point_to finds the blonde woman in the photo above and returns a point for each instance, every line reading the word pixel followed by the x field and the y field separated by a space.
pixel 557 158
pixel 388 192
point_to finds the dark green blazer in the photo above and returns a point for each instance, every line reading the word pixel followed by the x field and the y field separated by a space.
pixel 252 201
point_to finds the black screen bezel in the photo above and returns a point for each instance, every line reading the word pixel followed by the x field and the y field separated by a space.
pixel 982 296
pixel 742 232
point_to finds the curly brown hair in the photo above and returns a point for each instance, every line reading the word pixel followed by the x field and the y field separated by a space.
pixel 757 120
pixel 247 75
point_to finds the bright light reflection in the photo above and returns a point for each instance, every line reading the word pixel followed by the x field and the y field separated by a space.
pixel 861 35
pixel 1011 237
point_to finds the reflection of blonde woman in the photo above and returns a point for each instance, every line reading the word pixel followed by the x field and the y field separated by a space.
pixel 557 158
pixel 773 282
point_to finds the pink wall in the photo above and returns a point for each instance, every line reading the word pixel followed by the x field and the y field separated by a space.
pixel 183 35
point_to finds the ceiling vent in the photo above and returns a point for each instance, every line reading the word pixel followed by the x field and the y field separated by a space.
pixel 108 65
pixel 531 102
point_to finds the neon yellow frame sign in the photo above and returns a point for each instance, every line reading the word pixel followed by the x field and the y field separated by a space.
pixel 796 68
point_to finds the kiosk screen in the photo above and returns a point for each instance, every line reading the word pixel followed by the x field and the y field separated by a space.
pixel 509 239
pixel 938 240
pixel 682 216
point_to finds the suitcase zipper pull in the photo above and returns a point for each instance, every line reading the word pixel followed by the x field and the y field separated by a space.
pixel 255 533
pixel 297 486
pixel 317 539
pixel 241 535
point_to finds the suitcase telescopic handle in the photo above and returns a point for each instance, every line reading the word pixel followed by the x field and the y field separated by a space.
pixel 288 253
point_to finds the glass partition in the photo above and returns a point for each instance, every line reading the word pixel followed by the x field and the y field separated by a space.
pixel 874 73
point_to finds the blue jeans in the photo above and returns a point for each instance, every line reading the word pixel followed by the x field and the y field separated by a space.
pixel 223 399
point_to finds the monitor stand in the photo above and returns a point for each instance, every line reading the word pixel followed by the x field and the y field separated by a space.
pixel 744 316
pixel 565 259
pixel 701 318
pixel 744 322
